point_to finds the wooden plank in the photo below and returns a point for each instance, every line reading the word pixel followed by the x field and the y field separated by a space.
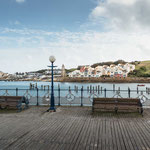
pixel 141 134
pixel 125 136
pixel 132 134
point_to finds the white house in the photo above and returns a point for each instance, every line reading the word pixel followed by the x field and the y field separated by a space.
pixel 75 73
pixel 113 71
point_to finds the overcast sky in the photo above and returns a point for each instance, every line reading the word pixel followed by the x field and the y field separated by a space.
pixel 77 32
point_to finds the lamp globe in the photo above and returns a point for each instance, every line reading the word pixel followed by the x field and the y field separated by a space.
pixel 52 59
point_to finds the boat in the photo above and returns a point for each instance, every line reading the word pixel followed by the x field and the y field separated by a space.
pixel 140 85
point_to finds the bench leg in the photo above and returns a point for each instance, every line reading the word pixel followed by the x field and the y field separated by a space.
pixel 116 110
pixel 92 109
pixel 19 110
pixel 142 112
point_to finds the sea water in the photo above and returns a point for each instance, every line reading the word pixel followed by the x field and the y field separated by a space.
pixel 73 97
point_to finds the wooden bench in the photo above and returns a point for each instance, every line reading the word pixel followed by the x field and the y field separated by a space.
pixel 13 102
pixel 117 104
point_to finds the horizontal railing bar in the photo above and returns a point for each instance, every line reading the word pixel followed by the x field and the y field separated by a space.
pixel 76 90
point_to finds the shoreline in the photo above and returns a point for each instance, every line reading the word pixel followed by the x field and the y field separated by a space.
pixel 109 80
pixel 88 80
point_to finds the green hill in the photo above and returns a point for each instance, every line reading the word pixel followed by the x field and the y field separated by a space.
pixel 142 69
pixel 109 63
pixel 145 64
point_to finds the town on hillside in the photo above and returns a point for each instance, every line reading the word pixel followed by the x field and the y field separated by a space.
pixel 120 70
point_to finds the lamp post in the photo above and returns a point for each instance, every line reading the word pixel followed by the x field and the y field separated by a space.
pixel 52 101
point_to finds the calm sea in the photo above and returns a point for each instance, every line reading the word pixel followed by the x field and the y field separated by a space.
pixel 65 85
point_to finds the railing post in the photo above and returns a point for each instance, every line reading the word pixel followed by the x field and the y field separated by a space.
pixel 138 90
pixel 82 96
pixel 93 89
pixel 105 92
pixel 119 89
pixel 101 89
pixel 77 89
pixel 69 89
pixel 98 89
pixel 58 95
pixel 16 91
pixel 37 97
pixel 129 92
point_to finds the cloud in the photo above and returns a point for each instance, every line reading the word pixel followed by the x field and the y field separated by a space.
pixel 26 52
pixel 124 34
pixel 20 1
pixel 123 14
pixel 123 2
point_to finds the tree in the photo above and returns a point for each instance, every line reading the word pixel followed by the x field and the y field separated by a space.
pixel 143 69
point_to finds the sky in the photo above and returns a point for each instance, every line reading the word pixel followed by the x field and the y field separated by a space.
pixel 76 32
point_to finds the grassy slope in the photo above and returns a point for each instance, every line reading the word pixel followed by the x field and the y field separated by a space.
pixel 144 64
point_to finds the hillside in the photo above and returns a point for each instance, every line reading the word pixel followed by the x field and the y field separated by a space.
pixel 109 63
pixel 142 69
pixel 145 64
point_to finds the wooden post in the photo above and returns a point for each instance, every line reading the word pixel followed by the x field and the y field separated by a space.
pixel 75 88
pixel 90 88
pixel 105 92
pixel 87 88
pixel 36 85
pixel 113 87
pixel 119 89
pixel 98 89
pixel 16 91
pixel 30 86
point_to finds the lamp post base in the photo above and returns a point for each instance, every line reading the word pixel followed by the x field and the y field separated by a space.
pixel 51 109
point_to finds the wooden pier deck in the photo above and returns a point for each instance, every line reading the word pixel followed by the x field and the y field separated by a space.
pixel 74 128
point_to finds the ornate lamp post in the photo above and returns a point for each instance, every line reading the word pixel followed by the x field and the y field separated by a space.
pixel 52 101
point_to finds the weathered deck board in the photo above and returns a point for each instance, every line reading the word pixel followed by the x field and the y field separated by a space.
pixel 74 128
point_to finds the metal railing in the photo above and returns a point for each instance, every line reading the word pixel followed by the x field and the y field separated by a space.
pixel 75 97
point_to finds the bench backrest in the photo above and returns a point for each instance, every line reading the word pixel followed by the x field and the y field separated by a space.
pixel 130 101
pixel 12 99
